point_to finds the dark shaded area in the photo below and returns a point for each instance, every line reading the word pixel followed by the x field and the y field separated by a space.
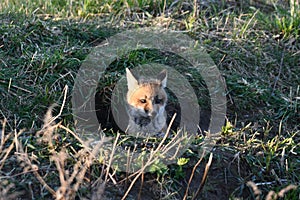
pixel 117 69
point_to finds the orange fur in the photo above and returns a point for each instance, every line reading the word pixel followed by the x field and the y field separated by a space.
pixel 146 100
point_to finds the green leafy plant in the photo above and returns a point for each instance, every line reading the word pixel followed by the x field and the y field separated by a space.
pixel 288 20
pixel 179 172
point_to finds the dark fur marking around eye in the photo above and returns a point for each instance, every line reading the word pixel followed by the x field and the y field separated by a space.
pixel 157 100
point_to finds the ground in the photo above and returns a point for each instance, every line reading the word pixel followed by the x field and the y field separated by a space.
pixel 254 44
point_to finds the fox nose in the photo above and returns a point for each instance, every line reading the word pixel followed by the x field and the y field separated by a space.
pixel 152 114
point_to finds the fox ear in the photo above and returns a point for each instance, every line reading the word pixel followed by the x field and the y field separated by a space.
pixel 131 80
pixel 162 77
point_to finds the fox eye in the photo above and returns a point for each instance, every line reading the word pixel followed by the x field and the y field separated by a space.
pixel 143 100
pixel 158 100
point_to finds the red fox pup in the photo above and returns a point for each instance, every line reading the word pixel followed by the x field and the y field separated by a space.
pixel 147 100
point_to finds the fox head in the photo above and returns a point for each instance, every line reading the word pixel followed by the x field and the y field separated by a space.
pixel 146 97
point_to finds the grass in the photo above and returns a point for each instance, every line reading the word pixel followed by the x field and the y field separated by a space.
pixel 255 46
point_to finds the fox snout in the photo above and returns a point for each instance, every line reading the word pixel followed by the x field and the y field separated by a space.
pixel 150 112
